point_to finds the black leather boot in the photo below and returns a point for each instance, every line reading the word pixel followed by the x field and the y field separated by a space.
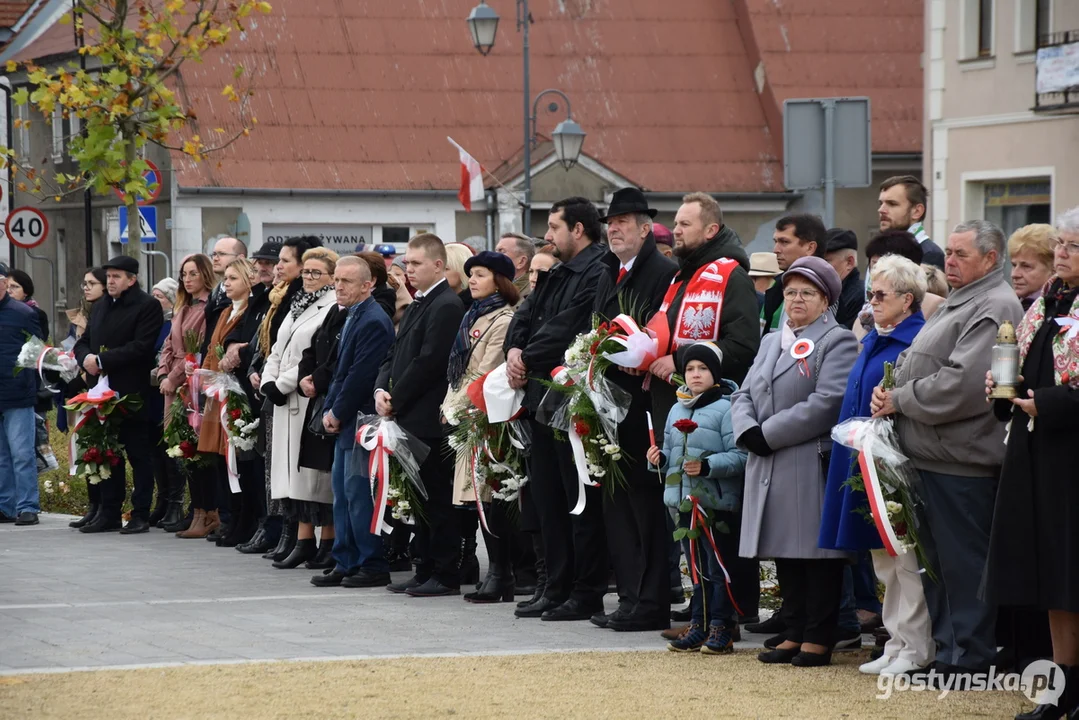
pixel 302 551
pixel 87 518
pixel 174 514
pixel 286 544
pixel 1067 705
pixel 175 495
pixel 323 560
pixel 497 586
pixel 259 543
pixel 469 569
pixel 541 582
pixel 182 524
pixel 161 503
pixel 104 521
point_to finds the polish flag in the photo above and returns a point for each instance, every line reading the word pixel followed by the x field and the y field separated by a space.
pixel 471 178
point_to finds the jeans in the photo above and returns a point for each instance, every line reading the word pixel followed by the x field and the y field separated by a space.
pixel 865 584
pixel 720 609
pixel 18 464
pixel 355 547
pixel 848 609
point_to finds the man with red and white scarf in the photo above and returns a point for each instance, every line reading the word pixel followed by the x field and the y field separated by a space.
pixel 712 298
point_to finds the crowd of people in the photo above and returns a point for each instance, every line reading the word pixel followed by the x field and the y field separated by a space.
pixel 758 359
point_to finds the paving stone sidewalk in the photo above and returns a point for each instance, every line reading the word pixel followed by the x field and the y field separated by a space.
pixel 70 600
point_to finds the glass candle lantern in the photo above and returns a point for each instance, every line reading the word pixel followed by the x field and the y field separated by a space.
pixel 1005 365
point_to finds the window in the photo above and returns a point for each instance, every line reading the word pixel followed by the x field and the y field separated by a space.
pixel 985 28
pixel 395 235
pixel 22 133
pixel 1011 205
pixel 1041 20
pixel 57 135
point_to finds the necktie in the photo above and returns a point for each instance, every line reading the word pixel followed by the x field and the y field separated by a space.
pixel 622 274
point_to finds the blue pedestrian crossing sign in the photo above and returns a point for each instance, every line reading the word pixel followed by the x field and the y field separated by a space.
pixel 147 221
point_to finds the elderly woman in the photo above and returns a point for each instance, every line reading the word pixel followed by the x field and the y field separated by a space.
pixel 1034 542
pixel 188 316
pixel 1031 251
pixel 783 416
pixel 476 351
pixel 898 287
pixel 308 492
pixel 204 484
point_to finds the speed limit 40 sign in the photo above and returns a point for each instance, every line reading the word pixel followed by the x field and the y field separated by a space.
pixel 27 227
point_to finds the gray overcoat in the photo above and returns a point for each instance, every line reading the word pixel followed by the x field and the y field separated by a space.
pixel 784 494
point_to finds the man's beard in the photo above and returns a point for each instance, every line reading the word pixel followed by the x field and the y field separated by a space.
pixel 681 250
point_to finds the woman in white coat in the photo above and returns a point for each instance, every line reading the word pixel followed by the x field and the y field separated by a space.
pixel 305 493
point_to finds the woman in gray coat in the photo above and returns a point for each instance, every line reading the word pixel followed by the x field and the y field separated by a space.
pixel 783 416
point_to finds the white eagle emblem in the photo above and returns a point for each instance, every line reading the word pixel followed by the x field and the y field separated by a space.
pixel 698 320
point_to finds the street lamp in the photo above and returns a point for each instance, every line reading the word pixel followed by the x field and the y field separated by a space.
pixel 568 137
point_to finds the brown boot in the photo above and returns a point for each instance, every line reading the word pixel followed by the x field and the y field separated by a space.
pixel 213 521
pixel 197 529
pixel 672 633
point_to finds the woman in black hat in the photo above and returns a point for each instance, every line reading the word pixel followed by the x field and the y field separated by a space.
pixel 476 351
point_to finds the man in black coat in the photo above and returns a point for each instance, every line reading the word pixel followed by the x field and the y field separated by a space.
pixel 560 308
pixel 635 517
pixel 119 342
pixel 796 236
pixel 225 251
pixel 411 386
pixel 841 252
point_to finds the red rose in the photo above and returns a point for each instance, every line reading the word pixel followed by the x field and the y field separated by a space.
pixel 900 529
pixel 87 456
pixel 188 449
pixel 235 413
pixel 685 425
pixel 603 327
pixel 595 346
pixel 581 427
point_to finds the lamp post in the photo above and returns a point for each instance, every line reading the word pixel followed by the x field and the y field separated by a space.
pixel 568 137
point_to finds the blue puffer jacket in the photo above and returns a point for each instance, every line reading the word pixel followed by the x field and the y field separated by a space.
pixel 713 440
pixel 16 320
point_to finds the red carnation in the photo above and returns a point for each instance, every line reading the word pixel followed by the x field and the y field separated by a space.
pixel 900 529
pixel 685 425
pixel 581 427
pixel 604 327
pixel 235 413
pixel 595 346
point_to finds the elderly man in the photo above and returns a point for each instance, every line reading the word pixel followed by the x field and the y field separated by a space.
pixel 520 249
pixel 902 205
pixel 19 501
pixel 1031 251
pixel 841 252
pixel 119 343
pixel 634 516
pixel 955 442
pixel 361 347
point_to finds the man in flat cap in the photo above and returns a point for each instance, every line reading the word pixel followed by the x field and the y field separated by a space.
pixel 119 342
pixel 841 251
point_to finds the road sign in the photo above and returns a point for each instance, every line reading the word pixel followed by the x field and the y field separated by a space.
pixel 27 227
pixel 153 181
pixel 827 144
pixel 147 221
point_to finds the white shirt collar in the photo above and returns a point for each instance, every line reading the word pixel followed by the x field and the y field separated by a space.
pixel 629 265
pixel 427 292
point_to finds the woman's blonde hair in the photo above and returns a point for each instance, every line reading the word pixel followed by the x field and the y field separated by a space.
pixel 904 275
pixel 329 257
pixel 1038 238
pixel 457 254
pixel 245 269
pixel 936 283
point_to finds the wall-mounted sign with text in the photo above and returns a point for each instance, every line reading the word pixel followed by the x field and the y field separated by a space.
pixel 342 239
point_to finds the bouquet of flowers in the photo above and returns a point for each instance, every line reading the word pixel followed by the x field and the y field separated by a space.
pixel 887 479
pixel 192 362
pixel 394 457
pixel 95 445
pixel 493 451
pixel 36 355
pixel 238 422
pixel 180 439
pixel 582 403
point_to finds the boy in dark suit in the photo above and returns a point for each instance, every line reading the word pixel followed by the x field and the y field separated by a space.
pixel 411 386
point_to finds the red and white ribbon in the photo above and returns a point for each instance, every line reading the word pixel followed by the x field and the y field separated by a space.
pixel 476 491
pixel 697 519
pixel 81 419
pixel 194 416
pixel 377 443
pixel 220 394
pixel 877 503
pixel 561 375
pixel 640 347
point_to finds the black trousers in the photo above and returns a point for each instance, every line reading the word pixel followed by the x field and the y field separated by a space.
pixel 134 436
pixel 438 529
pixel 745 580
pixel 811 590
pixel 502 541
pixel 244 506
pixel 636 522
pixel 203 482
pixel 574 546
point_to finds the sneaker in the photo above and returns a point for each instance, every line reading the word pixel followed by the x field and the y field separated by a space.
pixel 691 639
pixel 719 641
pixel 848 640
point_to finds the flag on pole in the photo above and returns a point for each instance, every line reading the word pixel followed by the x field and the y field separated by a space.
pixel 471 178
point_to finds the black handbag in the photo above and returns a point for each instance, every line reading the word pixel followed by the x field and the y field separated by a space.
pixel 315 411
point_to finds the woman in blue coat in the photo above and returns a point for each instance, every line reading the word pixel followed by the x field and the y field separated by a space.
pixel 898 287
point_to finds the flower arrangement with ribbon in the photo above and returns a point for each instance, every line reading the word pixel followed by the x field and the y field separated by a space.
pixel 639 346
pixel 886 477
pixel 238 422
pixel 95 444
pixel 180 439
pixel 36 355
pixel 192 362
pixel 493 450
pixel 394 457
pixel 582 403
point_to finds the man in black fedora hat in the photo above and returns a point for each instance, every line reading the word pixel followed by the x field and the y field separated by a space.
pixel 634 515
pixel 119 343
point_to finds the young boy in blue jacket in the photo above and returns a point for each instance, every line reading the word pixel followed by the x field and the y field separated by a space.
pixel 713 471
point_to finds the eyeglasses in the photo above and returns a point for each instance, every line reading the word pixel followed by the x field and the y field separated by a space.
pixel 792 294
pixel 878 295
pixel 89 284
pixel 313 274
pixel 1069 248
pixel 215 255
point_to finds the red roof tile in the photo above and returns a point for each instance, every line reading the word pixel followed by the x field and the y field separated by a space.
pixel 12 10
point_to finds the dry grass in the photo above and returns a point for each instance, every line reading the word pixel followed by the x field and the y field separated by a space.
pixel 584 685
